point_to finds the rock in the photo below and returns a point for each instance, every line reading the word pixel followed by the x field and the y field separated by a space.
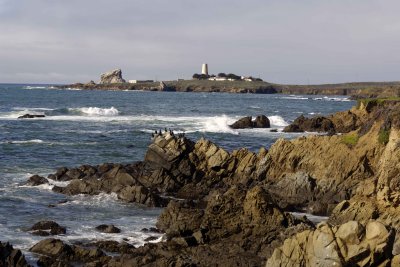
pixel 44 228
pixel 58 253
pixel 36 180
pixel 261 121
pixel 114 76
pixel 246 122
pixel 31 116
pixel 350 244
pixel 11 257
pixel 108 229
pixel 315 124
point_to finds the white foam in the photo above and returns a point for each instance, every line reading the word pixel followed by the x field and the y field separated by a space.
pixel 314 218
pixel 97 111
pixel 219 124
pixel 277 121
pixel 35 87
pixel 33 141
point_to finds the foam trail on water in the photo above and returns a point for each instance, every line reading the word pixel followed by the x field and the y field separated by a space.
pixel 93 111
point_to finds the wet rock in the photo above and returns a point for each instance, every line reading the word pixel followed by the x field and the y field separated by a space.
pixel 57 253
pixel 108 229
pixel 31 116
pixel 11 257
pixel 114 76
pixel 260 121
pixel 36 180
pixel 113 246
pixel 44 228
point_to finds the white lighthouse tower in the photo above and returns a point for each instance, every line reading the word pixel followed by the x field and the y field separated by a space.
pixel 204 69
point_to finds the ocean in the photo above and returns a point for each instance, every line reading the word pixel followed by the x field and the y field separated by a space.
pixel 93 127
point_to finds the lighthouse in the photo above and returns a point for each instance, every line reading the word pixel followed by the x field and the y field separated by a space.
pixel 204 69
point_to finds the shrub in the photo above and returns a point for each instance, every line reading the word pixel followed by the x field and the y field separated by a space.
pixel 350 139
pixel 383 137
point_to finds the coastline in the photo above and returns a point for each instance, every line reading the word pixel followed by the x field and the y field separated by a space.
pixel 241 199
pixel 353 90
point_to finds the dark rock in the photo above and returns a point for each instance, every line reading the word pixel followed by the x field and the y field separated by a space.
pixel 30 116
pixel 49 227
pixel 36 180
pixel 109 229
pixel 315 124
pixel 113 246
pixel 274 130
pixel 261 121
pixel 245 122
pixel 151 238
pixel 11 257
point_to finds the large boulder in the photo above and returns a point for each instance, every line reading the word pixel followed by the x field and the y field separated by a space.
pixel 45 228
pixel 350 244
pixel 261 121
pixel 114 76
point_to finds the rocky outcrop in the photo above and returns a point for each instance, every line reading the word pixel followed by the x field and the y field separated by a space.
pixel 46 228
pixel 11 257
pixel 31 116
pixel 57 253
pixel 260 121
pixel 114 76
pixel 350 244
pixel 315 124
pixel 36 180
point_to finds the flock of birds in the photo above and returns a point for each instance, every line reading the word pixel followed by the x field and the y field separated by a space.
pixel 171 132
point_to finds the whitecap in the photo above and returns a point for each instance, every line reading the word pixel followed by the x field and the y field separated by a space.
pixel 93 111
pixel 277 121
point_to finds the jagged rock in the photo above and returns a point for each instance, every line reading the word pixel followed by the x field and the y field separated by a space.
pixel 114 76
pixel 246 122
pixel 58 253
pixel 350 244
pixel 45 228
pixel 36 180
pixel 31 116
pixel 108 229
pixel 11 257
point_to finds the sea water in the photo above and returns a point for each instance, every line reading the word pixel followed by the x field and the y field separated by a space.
pixel 93 127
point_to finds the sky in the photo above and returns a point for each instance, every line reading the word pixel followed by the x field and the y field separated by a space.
pixel 280 41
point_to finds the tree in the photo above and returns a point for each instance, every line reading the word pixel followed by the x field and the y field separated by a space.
pixel 196 76
pixel 221 75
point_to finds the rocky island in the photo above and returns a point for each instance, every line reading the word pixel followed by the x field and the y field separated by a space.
pixel 113 81
pixel 236 208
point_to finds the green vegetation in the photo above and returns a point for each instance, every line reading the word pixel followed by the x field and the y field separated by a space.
pixel 383 137
pixel 350 139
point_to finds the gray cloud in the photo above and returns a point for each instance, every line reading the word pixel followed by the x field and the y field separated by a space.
pixel 281 41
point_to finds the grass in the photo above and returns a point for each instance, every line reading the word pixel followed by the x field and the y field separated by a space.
pixel 383 136
pixel 350 139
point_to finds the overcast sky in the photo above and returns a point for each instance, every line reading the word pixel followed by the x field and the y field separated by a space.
pixel 282 41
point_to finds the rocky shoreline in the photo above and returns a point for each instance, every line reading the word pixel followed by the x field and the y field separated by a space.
pixel 233 208
pixel 353 90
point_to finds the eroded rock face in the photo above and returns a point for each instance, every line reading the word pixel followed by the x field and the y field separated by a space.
pixel 260 121
pixel 11 257
pixel 350 244
pixel 114 76
pixel 315 124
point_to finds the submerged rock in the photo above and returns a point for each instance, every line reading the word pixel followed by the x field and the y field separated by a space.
pixel 36 180
pixel 109 229
pixel 31 116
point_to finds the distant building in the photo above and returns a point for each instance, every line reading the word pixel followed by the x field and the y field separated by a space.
pixel 140 81
pixel 204 69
